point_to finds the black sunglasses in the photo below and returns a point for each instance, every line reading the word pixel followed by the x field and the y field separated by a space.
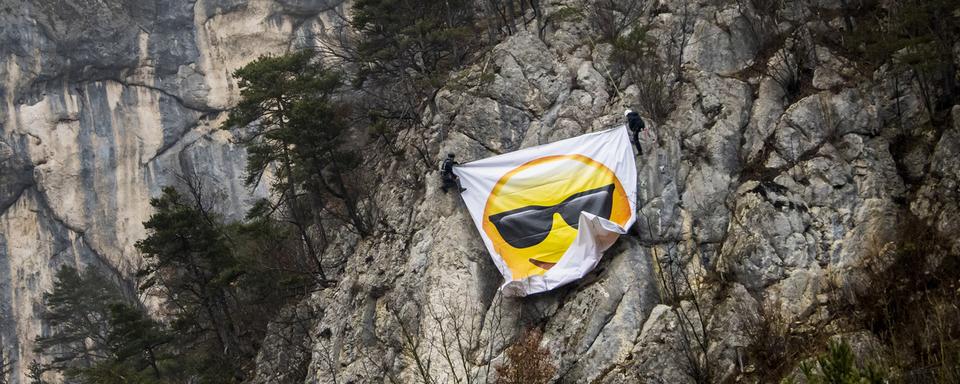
pixel 528 226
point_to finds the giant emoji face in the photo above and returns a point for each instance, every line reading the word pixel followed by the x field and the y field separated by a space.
pixel 532 214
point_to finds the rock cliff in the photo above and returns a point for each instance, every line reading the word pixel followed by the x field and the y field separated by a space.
pixel 103 103
pixel 756 199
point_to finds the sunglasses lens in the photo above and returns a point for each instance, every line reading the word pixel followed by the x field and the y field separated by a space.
pixel 528 226
pixel 597 201
pixel 524 227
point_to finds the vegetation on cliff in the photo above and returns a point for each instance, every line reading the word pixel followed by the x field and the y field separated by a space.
pixel 219 284
pixel 314 123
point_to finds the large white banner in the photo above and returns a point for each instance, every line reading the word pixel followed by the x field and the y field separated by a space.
pixel 547 213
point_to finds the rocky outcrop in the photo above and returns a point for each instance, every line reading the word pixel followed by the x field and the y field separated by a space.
pixel 756 195
pixel 764 195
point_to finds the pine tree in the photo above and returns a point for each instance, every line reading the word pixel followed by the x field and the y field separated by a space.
pixel 6 366
pixel 136 339
pixel 93 326
pixel 77 312
pixel 192 266
pixel 404 52
pixel 35 372
pixel 221 285
pixel 297 129
pixel 418 39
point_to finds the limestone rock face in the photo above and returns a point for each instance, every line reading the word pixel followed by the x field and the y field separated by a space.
pixel 755 196
pixel 15 176
pixel 775 192
pixel 939 195
pixel 102 104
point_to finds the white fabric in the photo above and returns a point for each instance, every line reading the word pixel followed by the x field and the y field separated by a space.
pixel 611 148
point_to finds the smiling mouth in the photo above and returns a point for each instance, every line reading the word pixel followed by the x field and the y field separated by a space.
pixel 542 264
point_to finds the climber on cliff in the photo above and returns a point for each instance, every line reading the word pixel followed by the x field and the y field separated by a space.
pixel 635 124
pixel 449 179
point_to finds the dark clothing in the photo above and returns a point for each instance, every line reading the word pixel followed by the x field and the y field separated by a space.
pixel 635 124
pixel 635 140
pixel 446 168
pixel 449 179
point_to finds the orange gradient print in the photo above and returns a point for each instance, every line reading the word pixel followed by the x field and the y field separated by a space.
pixel 532 213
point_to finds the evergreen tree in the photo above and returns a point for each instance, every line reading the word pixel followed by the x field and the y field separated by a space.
pixel 191 264
pixel 403 53
pixel 93 326
pixel 78 313
pixel 914 35
pixel 6 366
pixel 222 284
pixel 297 129
pixel 136 339
pixel 419 40
pixel 35 372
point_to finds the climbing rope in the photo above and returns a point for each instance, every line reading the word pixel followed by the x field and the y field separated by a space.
pixel 606 69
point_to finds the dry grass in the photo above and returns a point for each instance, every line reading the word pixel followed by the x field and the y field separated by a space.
pixel 913 305
pixel 527 362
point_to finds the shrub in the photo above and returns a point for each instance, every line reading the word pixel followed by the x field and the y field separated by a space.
pixel 838 366
pixel 651 63
pixel 636 54
pixel 913 35
pixel 527 362
pixel 912 304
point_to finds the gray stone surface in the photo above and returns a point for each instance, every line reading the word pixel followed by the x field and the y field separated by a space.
pixel 15 176
pixel 101 105
pixel 759 198
pixel 939 197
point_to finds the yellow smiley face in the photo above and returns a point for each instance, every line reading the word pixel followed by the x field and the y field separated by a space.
pixel 532 214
